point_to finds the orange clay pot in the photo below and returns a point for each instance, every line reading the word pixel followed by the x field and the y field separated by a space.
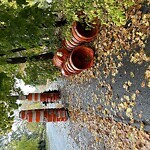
pixel 59 57
pixel 81 58
pixel 83 35
pixel 80 35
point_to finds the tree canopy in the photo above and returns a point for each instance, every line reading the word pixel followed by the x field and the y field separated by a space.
pixel 27 42
pixel 25 26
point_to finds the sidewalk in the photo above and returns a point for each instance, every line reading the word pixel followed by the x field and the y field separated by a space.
pixel 59 136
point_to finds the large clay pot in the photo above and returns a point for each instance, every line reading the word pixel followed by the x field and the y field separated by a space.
pixel 59 57
pixel 81 35
pixel 81 58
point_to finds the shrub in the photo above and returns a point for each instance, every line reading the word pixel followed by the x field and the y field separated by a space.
pixel 37 73
pixel 107 11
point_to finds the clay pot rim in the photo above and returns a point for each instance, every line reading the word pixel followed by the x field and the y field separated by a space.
pixel 84 47
pixel 74 27
pixel 57 60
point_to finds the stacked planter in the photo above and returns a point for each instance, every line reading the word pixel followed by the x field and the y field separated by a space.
pixel 78 58
pixel 44 115
pixel 80 35
pixel 43 97
pixel 48 97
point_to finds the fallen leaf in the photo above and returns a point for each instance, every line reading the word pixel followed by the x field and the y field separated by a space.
pixel 129 83
pixel 129 112
pixel 126 97
pixel 143 84
pixel 133 96
pixel 132 74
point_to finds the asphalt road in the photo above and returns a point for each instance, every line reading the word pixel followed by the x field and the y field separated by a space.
pixel 84 92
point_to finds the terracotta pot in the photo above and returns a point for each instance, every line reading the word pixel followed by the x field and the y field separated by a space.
pixel 80 35
pixel 64 72
pixel 83 35
pixel 80 58
pixel 59 57
pixel 68 45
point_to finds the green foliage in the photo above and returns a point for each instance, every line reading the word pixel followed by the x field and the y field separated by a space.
pixel 26 26
pixel 10 70
pixel 24 144
pixel 7 103
pixel 37 73
pixel 30 25
pixel 27 144
pixel 27 137
pixel 21 2
pixel 107 11
pixel 35 128
pixel 116 10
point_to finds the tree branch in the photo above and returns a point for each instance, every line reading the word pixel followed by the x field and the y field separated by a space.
pixel 15 50
pixel 18 60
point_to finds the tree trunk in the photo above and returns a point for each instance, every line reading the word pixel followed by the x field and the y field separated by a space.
pixel 18 60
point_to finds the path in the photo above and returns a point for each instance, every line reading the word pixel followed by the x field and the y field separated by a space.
pixel 59 136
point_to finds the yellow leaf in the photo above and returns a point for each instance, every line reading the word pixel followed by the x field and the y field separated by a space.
pixel 126 97
pixel 148 84
pixel 132 74
pixel 99 107
pixel 129 112
pixel 129 83
pixel 133 96
pixel 113 104
pixel 125 86
pixel 143 84
pixel 132 104
pixel 125 105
